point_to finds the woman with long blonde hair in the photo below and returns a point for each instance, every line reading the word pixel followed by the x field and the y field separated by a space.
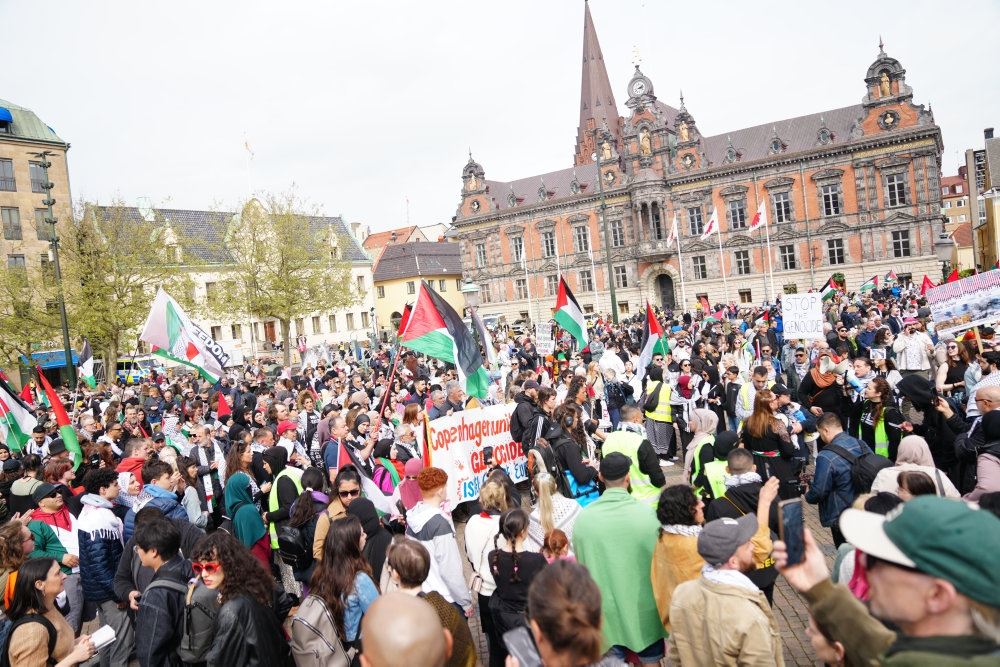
pixel 553 510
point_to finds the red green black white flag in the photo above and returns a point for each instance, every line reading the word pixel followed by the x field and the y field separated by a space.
pixel 435 329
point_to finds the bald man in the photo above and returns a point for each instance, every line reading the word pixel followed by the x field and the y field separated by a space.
pixel 400 630
pixel 973 455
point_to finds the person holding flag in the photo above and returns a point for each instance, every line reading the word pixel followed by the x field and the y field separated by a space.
pixel 66 431
pixel 85 371
pixel 16 419
pixel 569 315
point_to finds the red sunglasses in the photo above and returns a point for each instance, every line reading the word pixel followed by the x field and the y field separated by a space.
pixel 210 567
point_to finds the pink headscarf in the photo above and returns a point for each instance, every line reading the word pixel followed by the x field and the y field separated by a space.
pixel 409 490
pixel 914 449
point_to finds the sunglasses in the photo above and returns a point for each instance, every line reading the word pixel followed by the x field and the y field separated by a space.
pixel 210 567
pixel 349 494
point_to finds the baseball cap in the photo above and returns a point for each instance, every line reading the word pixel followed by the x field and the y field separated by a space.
pixel 615 466
pixel 720 539
pixel 530 384
pixel 286 426
pixel 43 491
pixel 940 537
pixel 910 320
pixel 57 446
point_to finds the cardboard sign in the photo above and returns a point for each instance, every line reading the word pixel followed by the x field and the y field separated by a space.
pixel 966 303
pixel 802 315
pixel 456 442
pixel 544 343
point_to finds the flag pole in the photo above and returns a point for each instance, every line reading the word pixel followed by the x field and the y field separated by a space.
pixel 722 264
pixel 593 279
pixel 770 266
pixel 527 281
pixel 680 263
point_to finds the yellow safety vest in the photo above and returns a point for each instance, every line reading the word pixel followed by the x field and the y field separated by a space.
pixel 663 411
pixel 744 394
pixel 293 474
pixel 627 443
pixel 715 472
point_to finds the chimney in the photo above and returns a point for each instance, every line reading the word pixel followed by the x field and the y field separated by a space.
pixel 988 133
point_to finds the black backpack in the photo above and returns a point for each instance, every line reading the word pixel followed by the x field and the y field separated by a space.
pixel 201 607
pixel 9 627
pixel 292 547
pixel 864 468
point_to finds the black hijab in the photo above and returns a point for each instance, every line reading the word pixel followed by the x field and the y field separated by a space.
pixel 378 538
pixel 277 458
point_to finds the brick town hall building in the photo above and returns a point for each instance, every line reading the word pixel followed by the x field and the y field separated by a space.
pixel 853 190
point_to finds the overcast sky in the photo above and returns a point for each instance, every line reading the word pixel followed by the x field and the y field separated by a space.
pixel 361 105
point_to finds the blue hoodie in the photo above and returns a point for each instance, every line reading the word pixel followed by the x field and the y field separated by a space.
pixel 154 496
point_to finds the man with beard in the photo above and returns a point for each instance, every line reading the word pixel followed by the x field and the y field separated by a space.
pixel 724 592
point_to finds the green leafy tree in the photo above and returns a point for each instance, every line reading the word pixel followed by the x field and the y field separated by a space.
pixel 114 260
pixel 286 264
pixel 29 312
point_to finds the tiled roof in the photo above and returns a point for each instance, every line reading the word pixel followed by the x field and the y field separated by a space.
pixel 29 126
pixel 963 235
pixel 753 143
pixel 422 258
pixel 380 239
pixel 207 231
pixel 557 183
pixel 951 181
pixel 797 134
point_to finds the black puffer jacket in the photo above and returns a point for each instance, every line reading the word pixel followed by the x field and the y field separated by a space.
pixel 522 417
pixel 248 634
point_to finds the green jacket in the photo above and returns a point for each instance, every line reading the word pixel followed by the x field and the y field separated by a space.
pixel 614 537
pixel 47 544
pixel 867 642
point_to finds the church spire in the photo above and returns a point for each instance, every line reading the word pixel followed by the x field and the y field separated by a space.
pixel 597 101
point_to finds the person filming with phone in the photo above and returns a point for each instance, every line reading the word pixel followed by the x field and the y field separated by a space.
pixel 931 573
pixel 832 485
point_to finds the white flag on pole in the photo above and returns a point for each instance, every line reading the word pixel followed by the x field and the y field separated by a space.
pixel 713 225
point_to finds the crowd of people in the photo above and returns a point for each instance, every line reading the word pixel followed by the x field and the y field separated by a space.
pixel 299 520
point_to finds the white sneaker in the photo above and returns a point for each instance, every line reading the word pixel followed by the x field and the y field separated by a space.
pixel 666 464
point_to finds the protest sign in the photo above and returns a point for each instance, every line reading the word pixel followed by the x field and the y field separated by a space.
pixel 802 315
pixel 966 303
pixel 544 343
pixel 456 443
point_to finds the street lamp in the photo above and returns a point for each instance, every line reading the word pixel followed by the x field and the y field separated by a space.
pixel 944 245
pixel 50 218
pixel 470 291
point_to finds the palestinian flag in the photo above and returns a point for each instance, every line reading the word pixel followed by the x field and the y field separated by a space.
pixel 86 367
pixel 653 342
pixel 568 314
pixel 830 289
pixel 175 337
pixel 404 319
pixel 435 329
pixel 891 277
pixel 869 285
pixel 16 420
pixel 66 431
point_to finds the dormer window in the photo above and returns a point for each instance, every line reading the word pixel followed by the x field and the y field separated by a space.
pixel 574 187
pixel 511 200
pixel 542 195
pixel 6 121
pixel 776 146
pixel 824 137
